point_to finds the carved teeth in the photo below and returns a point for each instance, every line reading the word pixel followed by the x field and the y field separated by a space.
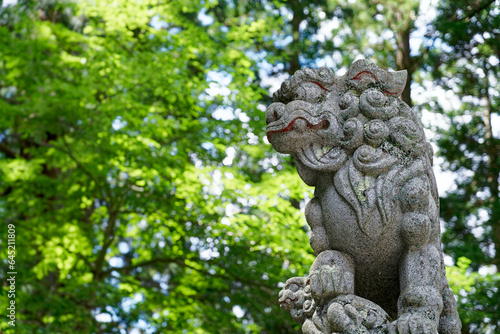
pixel 326 149
pixel 320 152
pixel 309 155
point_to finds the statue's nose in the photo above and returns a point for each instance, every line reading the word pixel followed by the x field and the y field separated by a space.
pixel 274 112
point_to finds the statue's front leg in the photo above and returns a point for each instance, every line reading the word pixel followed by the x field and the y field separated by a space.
pixel 420 303
pixel 318 239
pixel 421 279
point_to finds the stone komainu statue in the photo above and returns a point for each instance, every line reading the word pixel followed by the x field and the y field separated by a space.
pixel 374 217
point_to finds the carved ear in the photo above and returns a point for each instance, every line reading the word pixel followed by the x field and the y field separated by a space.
pixel 398 82
pixel 363 75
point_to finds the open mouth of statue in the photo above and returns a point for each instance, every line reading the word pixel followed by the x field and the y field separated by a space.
pixel 298 123
pixel 315 153
pixel 319 157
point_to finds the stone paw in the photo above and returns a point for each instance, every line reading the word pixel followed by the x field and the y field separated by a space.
pixel 413 323
pixel 345 319
pixel 327 282
pixel 349 314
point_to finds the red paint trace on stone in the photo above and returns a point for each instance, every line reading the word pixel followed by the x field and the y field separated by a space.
pixel 387 92
pixel 289 300
pixel 320 86
pixel 360 76
pixel 323 125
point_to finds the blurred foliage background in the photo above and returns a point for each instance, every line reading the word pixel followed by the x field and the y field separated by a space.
pixel 134 166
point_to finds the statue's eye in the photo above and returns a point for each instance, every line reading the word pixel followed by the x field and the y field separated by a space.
pixel 293 287
pixel 309 92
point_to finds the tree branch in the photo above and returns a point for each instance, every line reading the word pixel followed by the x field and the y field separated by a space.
pixel 107 241
pixel 9 153
pixel 473 12
pixel 182 262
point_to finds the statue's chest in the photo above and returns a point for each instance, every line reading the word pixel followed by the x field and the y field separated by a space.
pixel 359 229
pixel 349 221
pixel 357 202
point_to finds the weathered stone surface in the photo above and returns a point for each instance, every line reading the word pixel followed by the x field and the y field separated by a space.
pixel 375 215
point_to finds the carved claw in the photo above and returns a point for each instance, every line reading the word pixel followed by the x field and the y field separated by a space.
pixel 345 319
pixel 330 281
pixel 352 314
pixel 413 323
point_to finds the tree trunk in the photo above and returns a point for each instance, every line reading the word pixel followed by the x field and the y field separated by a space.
pixel 295 46
pixel 493 174
pixel 404 61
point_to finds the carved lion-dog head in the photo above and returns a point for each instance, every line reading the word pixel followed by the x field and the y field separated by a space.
pixel 323 120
